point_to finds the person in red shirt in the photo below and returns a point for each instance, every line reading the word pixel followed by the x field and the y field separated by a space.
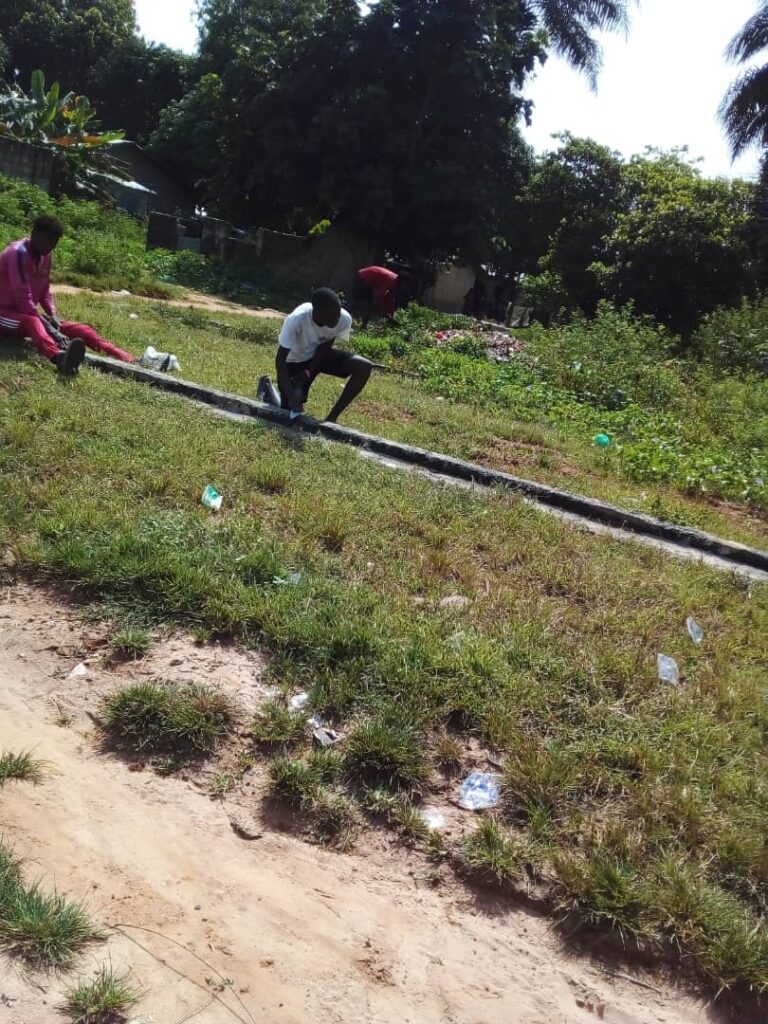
pixel 25 285
pixel 382 289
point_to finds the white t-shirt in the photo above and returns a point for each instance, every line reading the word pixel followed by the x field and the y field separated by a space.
pixel 301 335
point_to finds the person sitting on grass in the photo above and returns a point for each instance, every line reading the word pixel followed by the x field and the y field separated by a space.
pixel 25 284
pixel 382 289
pixel 305 349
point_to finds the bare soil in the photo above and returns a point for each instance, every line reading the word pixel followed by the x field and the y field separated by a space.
pixel 191 300
pixel 217 927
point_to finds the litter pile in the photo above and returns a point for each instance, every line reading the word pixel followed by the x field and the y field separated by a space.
pixel 500 347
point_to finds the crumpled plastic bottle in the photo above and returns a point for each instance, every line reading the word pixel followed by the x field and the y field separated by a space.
pixel 479 791
pixel 668 670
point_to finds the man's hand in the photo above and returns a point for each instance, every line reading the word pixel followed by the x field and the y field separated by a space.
pixel 55 323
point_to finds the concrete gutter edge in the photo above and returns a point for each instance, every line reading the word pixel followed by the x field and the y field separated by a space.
pixel 588 508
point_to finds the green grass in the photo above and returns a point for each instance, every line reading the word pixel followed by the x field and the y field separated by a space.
pixel 489 855
pixel 277 725
pixel 526 432
pixel 131 642
pixel 334 820
pixel 292 781
pixel 42 928
pixel 103 1000
pixel 390 754
pixel 552 665
pixel 168 718
pixel 20 768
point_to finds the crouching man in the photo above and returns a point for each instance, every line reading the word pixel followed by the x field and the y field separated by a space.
pixel 25 285
pixel 305 349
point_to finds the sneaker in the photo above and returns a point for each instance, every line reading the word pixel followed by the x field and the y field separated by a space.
pixel 263 387
pixel 68 362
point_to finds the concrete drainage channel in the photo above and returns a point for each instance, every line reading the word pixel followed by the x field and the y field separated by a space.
pixel 591 513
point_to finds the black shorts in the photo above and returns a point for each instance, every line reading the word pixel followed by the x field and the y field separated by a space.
pixel 336 364
pixel 362 293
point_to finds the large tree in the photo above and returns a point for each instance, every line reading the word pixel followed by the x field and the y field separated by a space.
pixel 745 107
pixel 92 46
pixel 400 120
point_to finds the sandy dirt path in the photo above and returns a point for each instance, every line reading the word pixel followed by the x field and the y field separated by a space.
pixel 302 934
pixel 192 300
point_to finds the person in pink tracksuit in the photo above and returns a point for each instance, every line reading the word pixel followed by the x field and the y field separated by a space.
pixel 25 284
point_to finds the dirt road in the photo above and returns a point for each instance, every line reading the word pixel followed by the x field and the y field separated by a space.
pixel 297 933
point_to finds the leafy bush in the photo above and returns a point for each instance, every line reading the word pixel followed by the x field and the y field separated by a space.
pixel 735 339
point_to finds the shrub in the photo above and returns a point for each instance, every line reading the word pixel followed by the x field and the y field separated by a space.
pixel 292 780
pixel 334 820
pixel 735 339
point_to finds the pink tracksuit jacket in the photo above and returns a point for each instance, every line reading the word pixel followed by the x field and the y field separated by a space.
pixel 24 282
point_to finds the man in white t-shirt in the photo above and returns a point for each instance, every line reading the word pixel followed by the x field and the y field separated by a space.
pixel 305 348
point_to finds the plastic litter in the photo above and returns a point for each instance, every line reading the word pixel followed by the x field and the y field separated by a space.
pixel 211 498
pixel 293 415
pixel 456 601
pixel 133 316
pixel 79 671
pixel 479 791
pixel 668 670
pixel 293 579
pixel 163 361
pixel 695 632
pixel 326 737
pixel 299 700
pixel 316 721
pixel 434 818
pixel 602 440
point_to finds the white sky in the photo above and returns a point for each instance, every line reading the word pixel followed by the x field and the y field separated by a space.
pixel 660 87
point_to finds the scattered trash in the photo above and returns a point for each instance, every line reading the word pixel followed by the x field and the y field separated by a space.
pixel 211 498
pixel 133 316
pixel 457 601
pixel 326 737
pixel 79 671
pixel 695 632
pixel 316 721
pixel 123 293
pixel 163 361
pixel 495 760
pixel 479 791
pixel 295 414
pixel 668 670
pixel 293 579
pixel 434 818
pixel 602 440
pixel 299 700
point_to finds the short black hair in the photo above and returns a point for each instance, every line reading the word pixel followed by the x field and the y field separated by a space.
pixel 327 300
pixel 50 226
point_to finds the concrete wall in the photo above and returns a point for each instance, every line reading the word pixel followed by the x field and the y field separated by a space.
pixel 29 163
pixel 329 260
pixel 450 287
pixel 170 197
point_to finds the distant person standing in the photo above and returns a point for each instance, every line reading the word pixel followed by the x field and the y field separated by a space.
pixel 25 285
pixel 380 289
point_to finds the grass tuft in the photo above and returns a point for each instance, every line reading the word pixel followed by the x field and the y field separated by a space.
pixel 293 781
pixel 489 855
pixel 388 755
pixel 176 719
pixel 334 820
pixel 20 768
pixel 104 1000
pixel 602 890
pixel 448 753
pixel 42 928
pixel 277 725
pixel 130 643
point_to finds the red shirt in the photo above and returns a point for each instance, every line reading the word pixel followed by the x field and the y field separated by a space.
pixel 382 281
pixel 25 281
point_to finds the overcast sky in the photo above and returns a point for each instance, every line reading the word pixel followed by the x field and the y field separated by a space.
pixel 659 87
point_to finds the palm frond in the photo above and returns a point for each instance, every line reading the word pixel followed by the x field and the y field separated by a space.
pixel 570 25
pixel 752 39
pixel 744 111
